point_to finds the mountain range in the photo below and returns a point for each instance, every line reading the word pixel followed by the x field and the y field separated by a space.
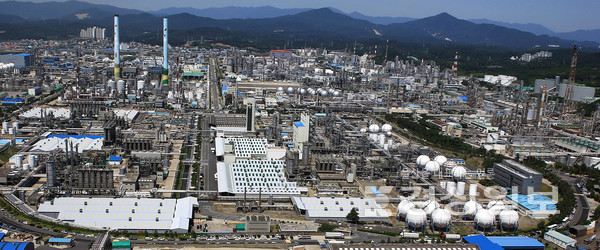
pixel 36 20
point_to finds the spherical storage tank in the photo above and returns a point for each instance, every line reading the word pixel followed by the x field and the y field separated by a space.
pixel 416 219
pixel 374 128
pixel 422 160
pixel 336 93
pixel 440 219
pixel 430 206
pixel 386 128
pixel 496 206
pixel 432 167
pixel 324 93
pixel 484 220
pixel 509 220
pixel 303 91
pixel 459 173
pixel 470 209
pixel 403 208
pixel 279 89
pixel 441 159
pixel 290 90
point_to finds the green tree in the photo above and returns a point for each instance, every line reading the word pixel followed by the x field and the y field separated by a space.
pixel 353 216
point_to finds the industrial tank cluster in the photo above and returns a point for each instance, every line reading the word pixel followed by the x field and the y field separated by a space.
pixel 381 135
pixel 311 91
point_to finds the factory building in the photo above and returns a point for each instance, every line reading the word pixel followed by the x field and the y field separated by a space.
pixel 301 130
pixel 258 224
pixel 559 239
pixel 130 214
pixel 19 60
pixel 504 242
pixel 336 208
pixel 579 93
pixel 510 173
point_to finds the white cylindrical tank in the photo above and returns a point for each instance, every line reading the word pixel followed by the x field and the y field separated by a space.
pixel 432 167
pixel 141 84
pixel 18 160
pixel 5 126
pixel 441 159
pixel 374 128
pixel 381 140
pixel 120 86
pixel 422 160
pixel 440 219
pixel 11 131
pixel 470 209
pixel 451 187
pixel 16 125
pixel 443 184
pixel 31 160
pixel 403 208
pixel 509 220
pixel 484 220
pixel 496 206
pixel 460 188
pixel 363 130
pixel 430 206
pixel 26 167
pixel 416 219
pixel 459 173
pixel 386 128
pixel 112 84
pixel 473 190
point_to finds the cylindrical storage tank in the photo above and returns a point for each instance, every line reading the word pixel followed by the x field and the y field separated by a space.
pixel 141 84
pixel 432 167
pixel 403 208
pixel 112 85
pixel 120 86
pixel 441 159
pixel 459 173
pixel 16 125
pixel 441 219
pixel 363 130
pixel 451 188
pixel 11 131
pixel 31 160
pixel 386 128
pixel 496 206
pixel 430 206
pixel 443 184
pixel 422 160
pixel 509 220
pixel 5 126
pixel 416 219
pixel 18 160
pixel 470 209
pixel 374 128
pixel 460 188
pixel 473 190
pixel 381 140
pixel 484 220
pixel 26 167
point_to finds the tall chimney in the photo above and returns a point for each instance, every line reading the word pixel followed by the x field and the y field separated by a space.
pixel 117 50
pixel 165 70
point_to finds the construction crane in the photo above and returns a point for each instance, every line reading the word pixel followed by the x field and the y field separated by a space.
pixel 569 90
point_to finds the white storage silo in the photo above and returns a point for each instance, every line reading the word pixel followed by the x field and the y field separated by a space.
pixel 509 220
pixel 112 85
pixel 451 188
pixel 416 219
pixel 31 159
pixel 484 220
pixel 5 126
pixel 26 167
pixel 473 190
pixel 18 160
pixel 441 220
pixel 11 131
pixel 460 188
pixel 120 86
pixel 443 184
pixel 141 84
pixel 16 125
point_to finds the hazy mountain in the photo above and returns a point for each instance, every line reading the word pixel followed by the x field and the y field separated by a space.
pixel 380 19
pixel 11 19
pixel 231 12
pixel 56 10
pixel 581 35
pixel 537 29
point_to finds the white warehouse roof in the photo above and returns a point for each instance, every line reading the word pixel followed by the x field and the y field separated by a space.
pixel 84 143
pixel 123 213
pixel 61 113
pixel 128 114
pixel 339 207
pixel 266 176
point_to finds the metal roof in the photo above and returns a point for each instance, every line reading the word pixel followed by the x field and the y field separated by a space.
pixel 60 240
pixel 483 242
pixel 566 239
pixel 516 242
pixel 16 245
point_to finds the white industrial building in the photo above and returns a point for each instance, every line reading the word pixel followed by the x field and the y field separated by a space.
pixel 254 177
pixel 60 113
pixel 128 114
pixel 300 136
pixel 131 214
pixel 80 143
pixel 232 149
pixel 336 208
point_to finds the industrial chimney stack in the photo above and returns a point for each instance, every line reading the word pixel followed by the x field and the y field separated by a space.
pixel 117 50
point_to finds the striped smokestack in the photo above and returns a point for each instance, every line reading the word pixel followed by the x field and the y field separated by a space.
pixel 165 70
pixel 117 50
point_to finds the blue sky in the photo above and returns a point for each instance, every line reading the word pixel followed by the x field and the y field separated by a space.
pixel 558 15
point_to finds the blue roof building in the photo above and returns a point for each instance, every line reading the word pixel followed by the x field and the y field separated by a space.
pixel 16 245
pixel 504 242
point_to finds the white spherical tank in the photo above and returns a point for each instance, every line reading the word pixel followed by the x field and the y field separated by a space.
pixel 440 219
pixel 484 220
pixel 403 208
pixel 430 206
pixel 303 91
pixel 432 167
pixel 336 93
pixel 422 160
pixel 374 128
pixel 470 209
pixel 496 206
pixel 386 128
pixel 441 159
pixel 509 220
pixel 416 219
pixel 290 90
pixel 459 173
pixel 324 93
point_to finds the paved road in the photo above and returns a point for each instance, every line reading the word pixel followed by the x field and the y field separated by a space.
pixel 214 83
pixel 207 208
pixel 583 207
pixel 209 160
